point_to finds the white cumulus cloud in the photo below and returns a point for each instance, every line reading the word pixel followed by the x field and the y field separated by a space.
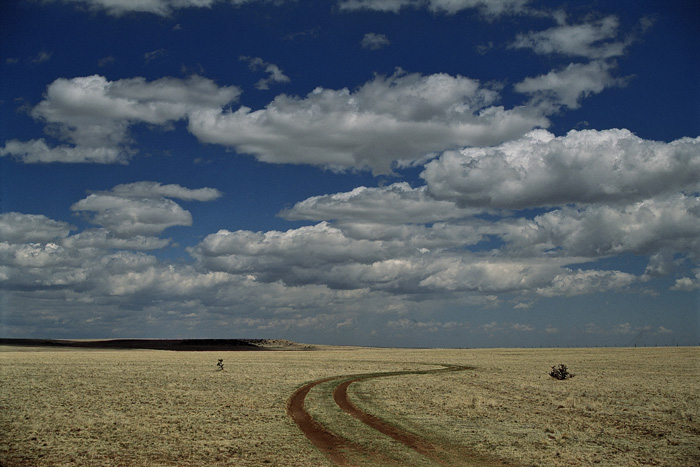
pixel 141 208
pixel 16 227
pixel 578 282
pixel 569 85
pixel 597 39
pixel 104 240
pixel 657 225
pixel 393 204
pixel 93 115
pixel 158 7
pixel 487 7
pixel 147 189
pixel 275 74
pixel 588 166
pixel 688 284
pixel 388 119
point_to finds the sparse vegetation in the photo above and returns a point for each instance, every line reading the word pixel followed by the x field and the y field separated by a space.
pixel 560 372
pixel 145 408
pixel 629 407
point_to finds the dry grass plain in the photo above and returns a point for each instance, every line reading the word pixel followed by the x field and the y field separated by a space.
pixel 160 408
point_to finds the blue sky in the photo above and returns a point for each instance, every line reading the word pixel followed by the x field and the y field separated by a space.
pixel 438 173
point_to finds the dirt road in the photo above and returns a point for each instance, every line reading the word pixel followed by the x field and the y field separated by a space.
pixel 342 451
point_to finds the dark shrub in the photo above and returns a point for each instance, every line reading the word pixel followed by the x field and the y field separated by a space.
pixel 560 372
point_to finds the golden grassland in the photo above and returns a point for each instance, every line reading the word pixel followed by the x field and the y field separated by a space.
pixel 624 407
pixel 146 407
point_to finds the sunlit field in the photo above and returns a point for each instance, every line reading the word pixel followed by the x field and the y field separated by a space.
pixel 148 407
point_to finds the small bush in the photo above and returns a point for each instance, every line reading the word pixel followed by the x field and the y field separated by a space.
pixel 560 372
pixel 220 365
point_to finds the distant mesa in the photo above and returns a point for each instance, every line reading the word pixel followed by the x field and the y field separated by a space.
pixel 161 344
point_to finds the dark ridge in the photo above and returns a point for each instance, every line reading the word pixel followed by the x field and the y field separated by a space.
pixel 151 344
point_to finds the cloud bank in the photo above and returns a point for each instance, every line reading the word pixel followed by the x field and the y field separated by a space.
pixel 401 118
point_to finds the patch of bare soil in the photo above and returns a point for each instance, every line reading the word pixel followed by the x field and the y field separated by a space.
pixel 342 451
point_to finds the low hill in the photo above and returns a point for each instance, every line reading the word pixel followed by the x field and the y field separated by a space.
pixel 161 344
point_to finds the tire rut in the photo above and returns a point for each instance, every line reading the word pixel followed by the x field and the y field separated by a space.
pixel 342 451
pixel 426 448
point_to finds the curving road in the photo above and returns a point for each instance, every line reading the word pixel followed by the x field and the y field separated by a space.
pixel 342 451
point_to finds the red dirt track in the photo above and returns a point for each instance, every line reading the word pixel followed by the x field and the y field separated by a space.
pixel 428 449
pixel 328 443
pixel 343 452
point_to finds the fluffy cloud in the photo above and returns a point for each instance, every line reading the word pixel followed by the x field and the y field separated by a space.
pixel 489 275
pixel 567 86
pixel 82 273
pixel 38 151
pixel 326 255
pixel 316 255
pixel 581 167
pixel 277 255
pixel 332 267
pixel 649 227
pixel 374 41
pixel 658 226
pixel 275 74
pixel 35 265
pixel 16 227
pixel 105 240
pixel 37 252
pixel 400 117
pixel 394 204
pixel 688 284
pixel 30 243
pixel 93 115
pixel 34 255
pixel 154 190
pixel 126 217
pixel 612 193
pixel 158 7
pixel 41 57
pixel 570 283
pixel 487 7
pixel 274 252
pixel 126 277
pixel 94 275
pixel 380 241
pixel 593 40
pixel 142 208
pixel 544 277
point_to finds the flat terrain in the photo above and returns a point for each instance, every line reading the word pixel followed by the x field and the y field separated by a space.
pixel 187 345
pixel 68 406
